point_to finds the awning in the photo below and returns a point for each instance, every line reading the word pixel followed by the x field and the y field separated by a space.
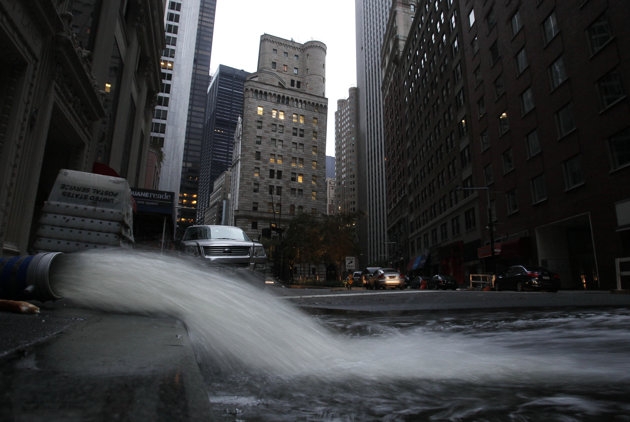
pixel 417 262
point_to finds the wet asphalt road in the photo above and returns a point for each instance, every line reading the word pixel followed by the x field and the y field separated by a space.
pixel 69 363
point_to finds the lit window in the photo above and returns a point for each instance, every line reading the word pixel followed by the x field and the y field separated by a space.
pixel 281 115
pixel 260 111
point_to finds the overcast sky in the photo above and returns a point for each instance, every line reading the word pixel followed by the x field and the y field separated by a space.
pixel 239 25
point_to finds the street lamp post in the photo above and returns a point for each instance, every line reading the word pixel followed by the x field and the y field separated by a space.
pixel 490 220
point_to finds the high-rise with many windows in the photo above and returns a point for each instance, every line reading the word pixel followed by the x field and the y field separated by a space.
pixel 371 21
pixel 510 127
pixel 346 169
pixel 224 107
pixel 179 115
pixel 279 166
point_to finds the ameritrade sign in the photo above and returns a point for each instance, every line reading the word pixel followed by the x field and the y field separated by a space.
pixel 153 201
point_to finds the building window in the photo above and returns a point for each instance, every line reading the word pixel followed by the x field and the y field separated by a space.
pixel 508 161
pixel 470 221
pixel 455 226
pixel 619 145
pixel 272 173
pixel 550 28
pixel 314 165
pixel 557 73
pixel 487 175
pixel 484 140
pixel 517 23
pixel 443 232
pixel 599 34
pixel 294 117
pixel 504 123
pixel 491 19
pixel 256 187
pixel 527 101
pixel 259 124
pixel 481 107
pixel 273 65
pixel 254 225
pixel 257 155
pixel 314 195
pixel 572 172
pixel 295 70
pixel 533 144
pixel 272 158
pixel 565 123
pixel 281 115
pixel 499 87
pixel 301 119
pixel 494 53
pixel 521 61
pixel 539 189
pixel 256 171
pixel 314 135
pixel 471 18
pixel 475 44
pixel 511 201
pixel 258 140
pixel 610 89
pixel 260 110
pixel 274 113
pixel 300 178
pixel 293 177
pixel 301 133
pixel 254 206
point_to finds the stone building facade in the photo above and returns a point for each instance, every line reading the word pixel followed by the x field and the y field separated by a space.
pixel 346 153
pixel 77 91
pixel 280 163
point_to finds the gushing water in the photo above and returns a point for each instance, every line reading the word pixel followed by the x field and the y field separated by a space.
pixel 326 367
pixel 236 322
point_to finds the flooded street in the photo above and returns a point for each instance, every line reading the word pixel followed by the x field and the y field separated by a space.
pixel 261 357
pixel 476 366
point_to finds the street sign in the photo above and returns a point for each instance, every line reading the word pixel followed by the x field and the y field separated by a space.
pixel 350 264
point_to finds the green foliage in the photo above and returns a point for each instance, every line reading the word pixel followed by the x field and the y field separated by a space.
pixel 316 240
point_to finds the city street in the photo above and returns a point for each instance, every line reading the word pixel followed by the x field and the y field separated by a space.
pixel 74 363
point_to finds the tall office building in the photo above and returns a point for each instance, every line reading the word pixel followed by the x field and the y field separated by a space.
pixel 346 169
pixel 179 115
pixel 279 165
pixel 371 22
pixel 224 107
pixel 514 130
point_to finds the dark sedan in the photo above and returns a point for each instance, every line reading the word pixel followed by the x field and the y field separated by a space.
pixel 525 277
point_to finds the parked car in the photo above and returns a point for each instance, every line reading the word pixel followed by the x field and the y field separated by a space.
pixel 386 278
pixel 366 274
pixel 223 245
pixel 356 277
pixel 443 282
pixel 525 277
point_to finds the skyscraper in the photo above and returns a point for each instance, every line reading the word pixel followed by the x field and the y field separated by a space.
pixel 371 22
pixel 346 121
pixel 280 156
pixel 179 115
pixel 224 107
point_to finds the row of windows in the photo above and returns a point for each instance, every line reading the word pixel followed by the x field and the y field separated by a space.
pixel 286 54
pixel 285 68
pixel 277 190
pixel 286 100
pixel 441 233
pixel 279 159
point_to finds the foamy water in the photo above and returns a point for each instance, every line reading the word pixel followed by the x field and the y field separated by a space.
pixel 236 324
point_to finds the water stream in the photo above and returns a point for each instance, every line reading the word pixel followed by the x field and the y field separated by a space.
pixel 266 360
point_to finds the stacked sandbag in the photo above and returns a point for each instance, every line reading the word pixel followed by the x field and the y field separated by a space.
pixel 86 211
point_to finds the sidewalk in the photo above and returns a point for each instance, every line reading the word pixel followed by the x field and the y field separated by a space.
pixel 73 364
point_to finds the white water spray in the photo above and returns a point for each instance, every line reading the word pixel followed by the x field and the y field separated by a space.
pixel 239 325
